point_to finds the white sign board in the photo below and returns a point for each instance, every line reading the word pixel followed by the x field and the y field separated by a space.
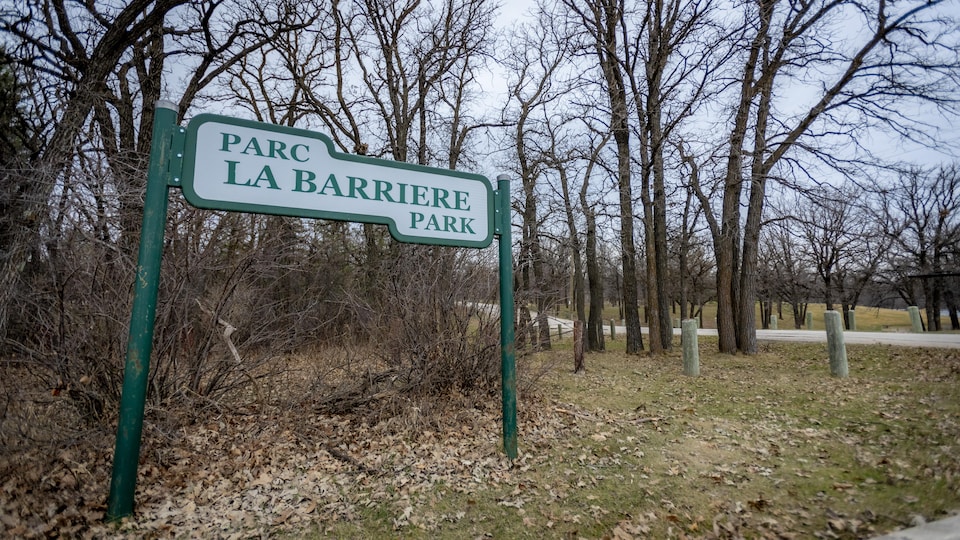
pixel 239 165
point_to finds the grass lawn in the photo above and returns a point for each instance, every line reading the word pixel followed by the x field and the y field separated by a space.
pixel 765 446
pixel 768 446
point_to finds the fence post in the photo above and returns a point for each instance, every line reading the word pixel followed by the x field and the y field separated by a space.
pixel 691 349
pixel 835 345
pixel 916 323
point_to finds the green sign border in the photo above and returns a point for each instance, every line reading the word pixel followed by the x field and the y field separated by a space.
pixel 190 160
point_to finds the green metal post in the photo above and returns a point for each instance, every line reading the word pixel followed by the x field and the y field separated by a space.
pixel 137 367
pixel 508 368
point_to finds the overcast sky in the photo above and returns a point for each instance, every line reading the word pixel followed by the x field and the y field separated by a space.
pixel 888 145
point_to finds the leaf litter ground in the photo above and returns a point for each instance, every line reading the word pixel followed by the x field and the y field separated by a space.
pixel 768 446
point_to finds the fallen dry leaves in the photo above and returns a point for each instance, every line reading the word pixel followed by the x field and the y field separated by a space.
pixel 241 475
pixel 714 458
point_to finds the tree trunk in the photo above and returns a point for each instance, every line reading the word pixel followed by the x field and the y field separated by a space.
pixel 652 311
pixel 937 295
pixel 595 341
pixel 660 253
pixel 578 363
pixel 579 299
pixel 747 317
pixel 607 51
pixel 729 280
pixel 684 251
pixel 798 315
pixel 658 48
pixel 524 328
pixel 928 306
pixel 828 291
pixel 631 311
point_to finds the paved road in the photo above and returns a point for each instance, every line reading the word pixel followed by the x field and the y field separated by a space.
pixel 945 529
pixel 942 341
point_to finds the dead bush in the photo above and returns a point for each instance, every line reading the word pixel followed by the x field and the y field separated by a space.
pixel 433 332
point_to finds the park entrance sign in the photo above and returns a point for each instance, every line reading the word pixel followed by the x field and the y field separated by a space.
pixel 244 166
pixel 224 163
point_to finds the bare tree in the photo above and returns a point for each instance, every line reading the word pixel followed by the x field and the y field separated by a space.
pixel 690 260
pixel 823 223
pixel 840 242
pixel 535 59
pixel 671 61
pixel 901 55
pixel 792 279
pixel 595 340
pixel 95 75
pixel 921 216
pixel 600 21
pixel 58 43
pixel 106 66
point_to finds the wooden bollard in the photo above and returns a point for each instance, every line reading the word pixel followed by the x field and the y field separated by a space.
pixel 773 322
pixel 915 323
pixel 809 321
pixel 852 320
pixel 835 345
pixel 578 365
pixel 691 350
